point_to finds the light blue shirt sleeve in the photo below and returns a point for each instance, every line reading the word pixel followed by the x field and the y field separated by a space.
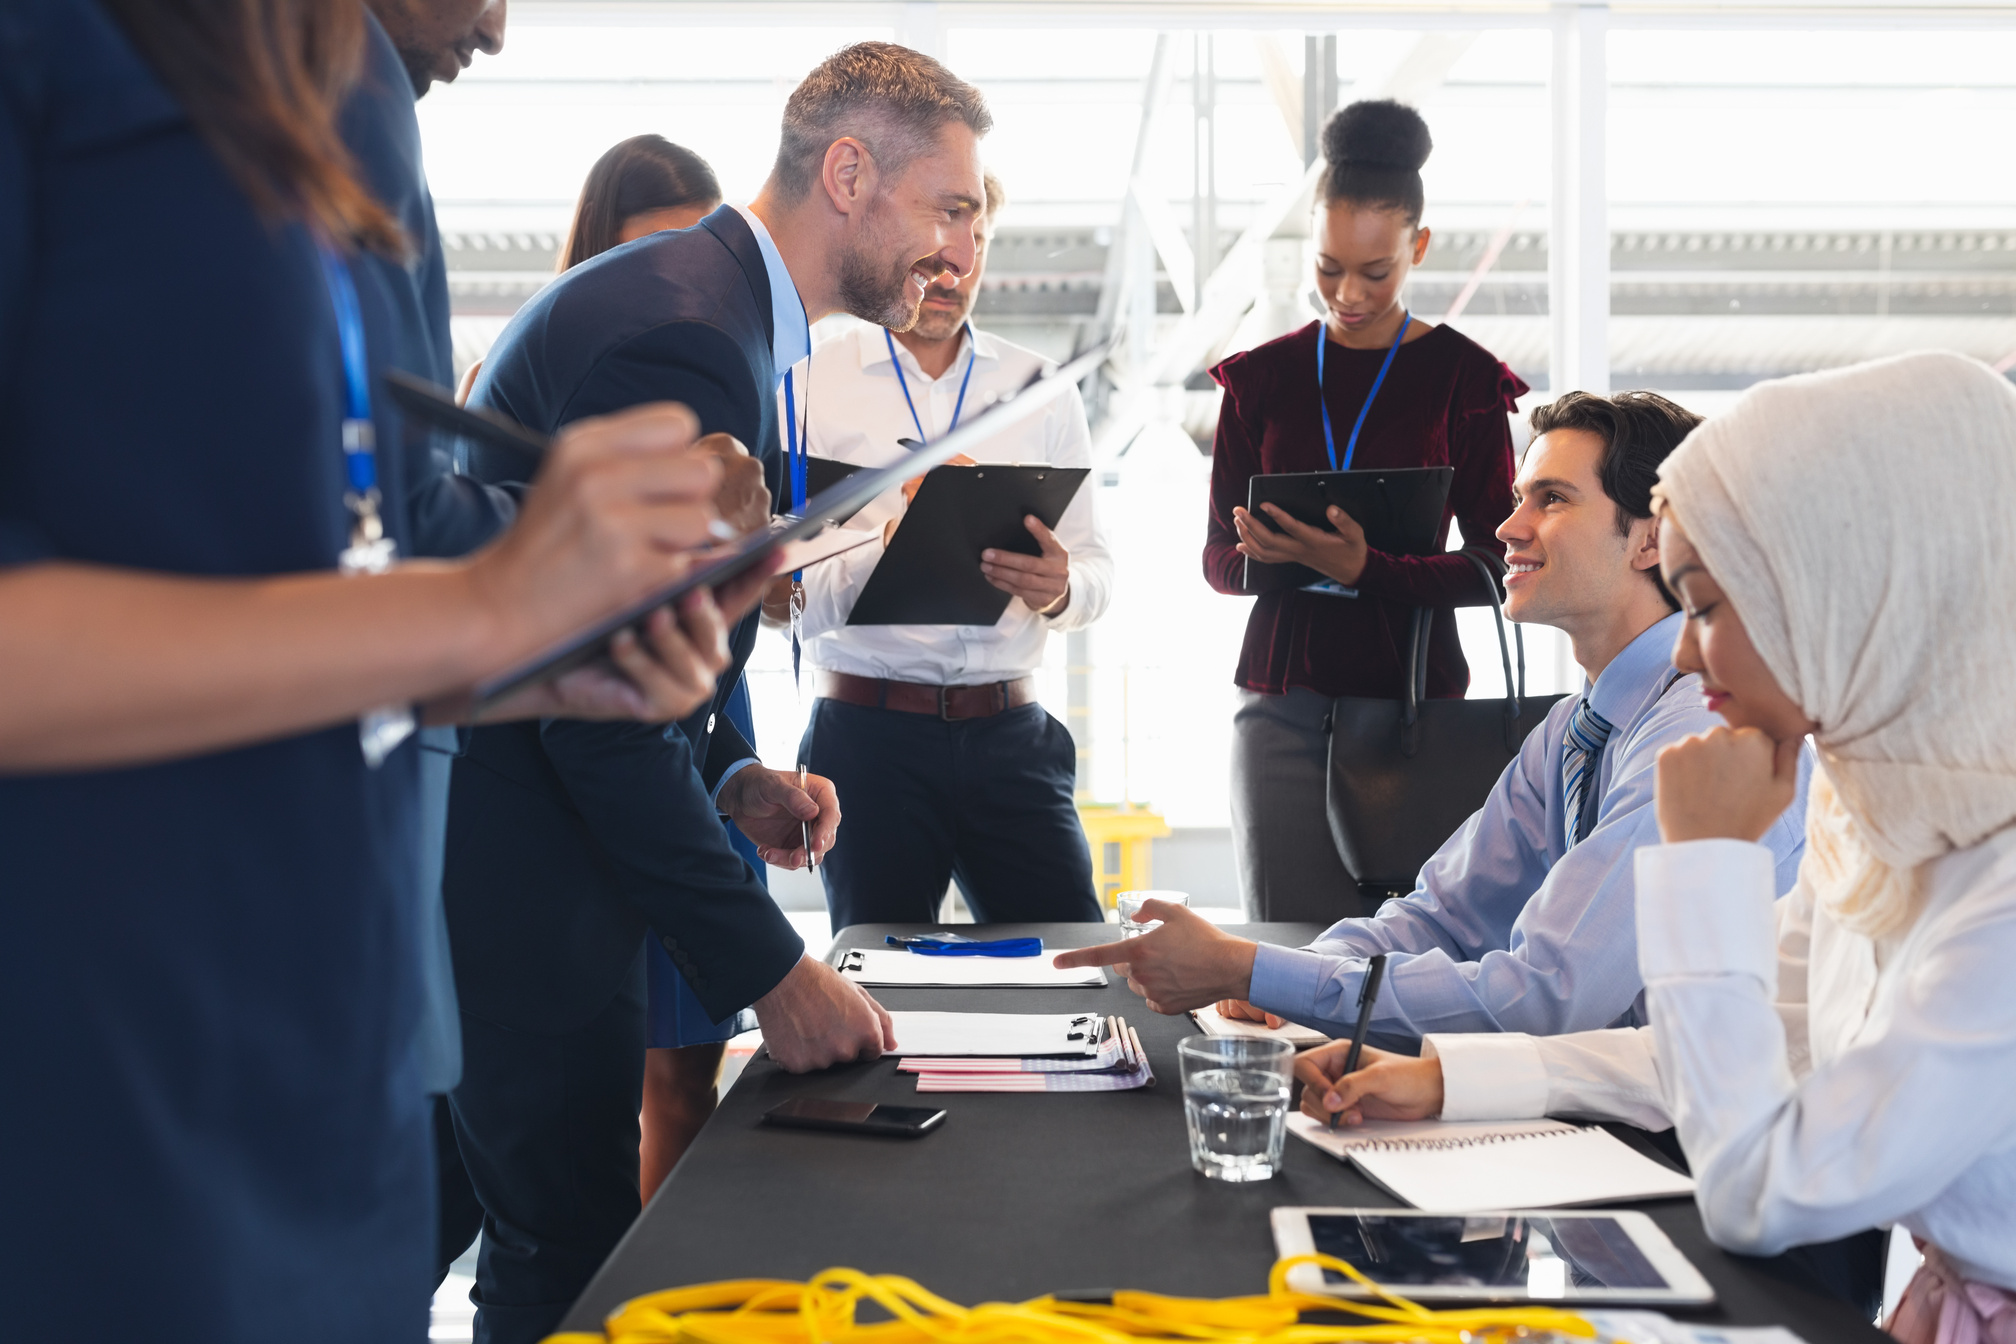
pixel 1505 931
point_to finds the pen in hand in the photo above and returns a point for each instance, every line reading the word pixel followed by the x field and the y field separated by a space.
pixel 811 859
pixel 1368 995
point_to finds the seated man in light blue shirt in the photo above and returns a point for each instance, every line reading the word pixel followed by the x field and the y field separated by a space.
pixel 1524 920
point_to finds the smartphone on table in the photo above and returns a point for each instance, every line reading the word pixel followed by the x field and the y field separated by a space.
pixel 855 1117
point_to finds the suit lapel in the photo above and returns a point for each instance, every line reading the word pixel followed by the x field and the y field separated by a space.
pixel 727 224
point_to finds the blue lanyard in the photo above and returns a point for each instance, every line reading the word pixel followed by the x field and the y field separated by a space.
pixel 380 730
pixel 972 353
pixel 1329 439
pixel 370 551
pixel 359 441
pixel 794 455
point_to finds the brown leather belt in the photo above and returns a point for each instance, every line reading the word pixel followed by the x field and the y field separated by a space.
pixel 913 697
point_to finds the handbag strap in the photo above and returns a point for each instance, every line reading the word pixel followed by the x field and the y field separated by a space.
pixel 1492 570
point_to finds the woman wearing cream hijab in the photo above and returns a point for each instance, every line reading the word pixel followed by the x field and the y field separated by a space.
pixel 1846 1058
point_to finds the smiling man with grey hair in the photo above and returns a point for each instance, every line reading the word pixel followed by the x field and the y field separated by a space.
pixel 564 827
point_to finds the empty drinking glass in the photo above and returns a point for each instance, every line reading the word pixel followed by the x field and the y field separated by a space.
pixel 1235 1100
pixel 1129 903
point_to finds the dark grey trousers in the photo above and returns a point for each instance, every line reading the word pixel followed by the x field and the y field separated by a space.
pixel 1289 868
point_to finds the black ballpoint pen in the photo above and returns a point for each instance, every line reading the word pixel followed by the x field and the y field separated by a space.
pixel 1368 995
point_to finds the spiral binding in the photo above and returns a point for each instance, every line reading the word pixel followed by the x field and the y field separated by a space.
pixel 1463 1141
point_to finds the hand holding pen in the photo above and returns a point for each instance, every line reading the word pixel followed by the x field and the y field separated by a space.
pixel 1349 1082
pixel 793 816
pixel 1368 997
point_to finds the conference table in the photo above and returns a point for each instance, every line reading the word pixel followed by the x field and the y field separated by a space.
pixel 1021 1194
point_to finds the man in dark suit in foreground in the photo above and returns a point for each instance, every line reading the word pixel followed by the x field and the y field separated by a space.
pixel 568 840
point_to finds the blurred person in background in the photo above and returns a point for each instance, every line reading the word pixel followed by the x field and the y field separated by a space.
pixel 1406 393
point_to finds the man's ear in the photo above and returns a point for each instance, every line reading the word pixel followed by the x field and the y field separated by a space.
pixel 848 175
pixel 1644 544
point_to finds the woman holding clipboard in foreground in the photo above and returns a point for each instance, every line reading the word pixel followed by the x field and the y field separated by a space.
pixel 1370 385
pixel 1844 1057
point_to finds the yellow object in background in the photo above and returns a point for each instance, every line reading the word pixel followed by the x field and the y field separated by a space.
pixel 771 1311
pixel 1121 836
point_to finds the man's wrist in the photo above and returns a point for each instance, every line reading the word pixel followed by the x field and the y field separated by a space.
pixel 1239 954
pixel 1058 603
pixel 721 786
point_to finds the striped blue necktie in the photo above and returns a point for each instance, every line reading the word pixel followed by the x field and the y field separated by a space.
pixel 1581 761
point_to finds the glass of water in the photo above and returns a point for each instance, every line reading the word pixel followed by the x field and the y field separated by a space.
pixel 1235 1100
pixel 1129 903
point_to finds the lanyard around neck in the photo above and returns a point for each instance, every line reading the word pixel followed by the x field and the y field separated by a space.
pixel 370 551
pixel 1329 439
pixel 972 353
pixel 798 446
pixel 381 730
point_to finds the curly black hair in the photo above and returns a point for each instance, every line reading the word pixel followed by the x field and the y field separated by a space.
pixel 1372 156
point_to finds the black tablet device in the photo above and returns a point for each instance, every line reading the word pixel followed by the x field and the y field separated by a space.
pixel 736 558
pixel 1400 510
pixel 1519 1255
pixel 930 574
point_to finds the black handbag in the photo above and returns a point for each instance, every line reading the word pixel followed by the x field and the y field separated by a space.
pixel 1404 774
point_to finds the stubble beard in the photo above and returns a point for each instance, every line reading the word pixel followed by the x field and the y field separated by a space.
pixel 876 290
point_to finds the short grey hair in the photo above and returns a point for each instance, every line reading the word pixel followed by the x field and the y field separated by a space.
pixel 997 196
pixel 890 98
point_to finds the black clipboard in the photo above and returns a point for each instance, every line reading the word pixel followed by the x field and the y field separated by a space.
pixel 1400 510
pixel 822 474
pixel 436 405
pixel 930 574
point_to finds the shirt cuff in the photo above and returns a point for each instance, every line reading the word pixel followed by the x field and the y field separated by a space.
pixel 729 774
pixel 1285 980
pixel 1705 907
pixel 1489 1076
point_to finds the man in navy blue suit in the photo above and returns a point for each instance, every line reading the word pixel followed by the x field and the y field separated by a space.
pixel 702 899
pixel 566 837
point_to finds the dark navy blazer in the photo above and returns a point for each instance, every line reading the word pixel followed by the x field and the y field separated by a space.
pixel 208 970
pixel 566 839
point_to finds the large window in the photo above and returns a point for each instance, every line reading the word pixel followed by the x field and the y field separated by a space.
pixel 1768 202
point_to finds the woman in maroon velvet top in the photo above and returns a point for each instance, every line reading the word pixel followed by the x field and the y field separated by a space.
pixel 1444 401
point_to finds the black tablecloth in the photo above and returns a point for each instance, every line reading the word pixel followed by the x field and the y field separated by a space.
pixel 1017 1195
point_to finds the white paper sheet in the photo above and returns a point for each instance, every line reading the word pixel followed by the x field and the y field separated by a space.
pixel 1475 1166
pixel 995 1033
pixel 1214 1023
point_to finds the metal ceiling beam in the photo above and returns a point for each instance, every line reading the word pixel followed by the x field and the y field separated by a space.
pixel 1279 15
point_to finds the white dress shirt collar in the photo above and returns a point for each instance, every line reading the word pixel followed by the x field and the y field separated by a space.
pixel 791 331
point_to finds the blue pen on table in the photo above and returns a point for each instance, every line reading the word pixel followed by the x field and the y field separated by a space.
pixel 1368 995
pixel 953 945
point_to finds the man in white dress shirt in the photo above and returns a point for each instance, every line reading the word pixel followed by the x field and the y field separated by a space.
pixel 931 734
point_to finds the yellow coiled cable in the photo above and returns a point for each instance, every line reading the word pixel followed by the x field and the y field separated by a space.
pixel 773 1311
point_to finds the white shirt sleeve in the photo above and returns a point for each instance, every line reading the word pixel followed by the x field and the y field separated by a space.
pixel 1586 1075
pixel 1603 1075
pixel 1920 1091
pixel 1069 442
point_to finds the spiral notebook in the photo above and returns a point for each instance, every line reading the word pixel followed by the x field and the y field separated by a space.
pixel 1480 1165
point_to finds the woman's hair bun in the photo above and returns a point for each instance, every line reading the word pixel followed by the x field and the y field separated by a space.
pixel 1378 133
